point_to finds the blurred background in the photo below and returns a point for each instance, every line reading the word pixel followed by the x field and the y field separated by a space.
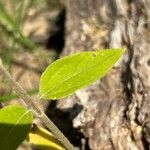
pixel 31 37
pixel 113 113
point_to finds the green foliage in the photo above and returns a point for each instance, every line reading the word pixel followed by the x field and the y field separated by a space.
pixel 66 75
pixel 61 78
pixel 15 123
pixel 11 21
pixel 12 26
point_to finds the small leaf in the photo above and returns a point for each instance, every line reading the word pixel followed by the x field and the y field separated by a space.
pixel 15 123
pixel 66 75
pixel 43 139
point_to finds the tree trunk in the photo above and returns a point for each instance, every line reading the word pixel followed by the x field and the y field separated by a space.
pixel 116 109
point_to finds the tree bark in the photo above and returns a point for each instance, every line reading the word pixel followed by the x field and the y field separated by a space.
pixel 116 109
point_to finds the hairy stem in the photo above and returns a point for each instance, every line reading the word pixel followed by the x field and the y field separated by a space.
pixel 38 112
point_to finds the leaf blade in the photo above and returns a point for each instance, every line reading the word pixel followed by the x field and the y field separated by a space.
pixel 15 122
pixel 66 75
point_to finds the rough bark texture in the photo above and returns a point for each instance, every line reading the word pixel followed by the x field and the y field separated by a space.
pixel 116 109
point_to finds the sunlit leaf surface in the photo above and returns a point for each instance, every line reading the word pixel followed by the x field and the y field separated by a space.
pixel 15 123
pixel 66 75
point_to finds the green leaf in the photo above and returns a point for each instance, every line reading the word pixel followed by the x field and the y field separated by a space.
pixel 66 75
pixel 15 123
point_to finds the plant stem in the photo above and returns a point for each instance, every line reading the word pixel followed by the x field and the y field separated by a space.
pixel 38 112
pixel 55 131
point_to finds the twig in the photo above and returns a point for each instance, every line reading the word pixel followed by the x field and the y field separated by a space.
pixel 38 112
